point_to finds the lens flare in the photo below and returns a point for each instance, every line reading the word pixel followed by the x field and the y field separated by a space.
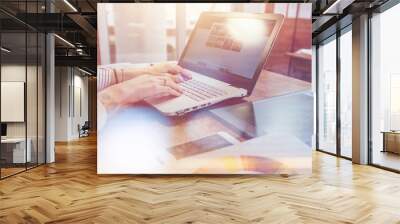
pixel 247 31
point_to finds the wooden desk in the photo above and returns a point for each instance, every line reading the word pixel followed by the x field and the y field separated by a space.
pixel 136 138
pixel 13 150
pixel 300 65
pixel 201 123
pixel 391 141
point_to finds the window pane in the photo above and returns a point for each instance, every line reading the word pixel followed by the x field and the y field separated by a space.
pixel 327 97
pixel 22 88
pixel 31 97
pixel 32 89
pixel 346 93
pixel 41 98
pixel 386 89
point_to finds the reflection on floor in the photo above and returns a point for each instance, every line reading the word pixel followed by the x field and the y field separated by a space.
pixel 10 171
pixel 70 191
pixel 14 169
pixel 346 152
pixel 387 159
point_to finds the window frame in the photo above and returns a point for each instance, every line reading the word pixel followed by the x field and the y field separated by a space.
pixel 379 10
pixel 334 37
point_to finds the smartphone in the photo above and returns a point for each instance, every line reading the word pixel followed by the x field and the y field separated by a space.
pixel 202 145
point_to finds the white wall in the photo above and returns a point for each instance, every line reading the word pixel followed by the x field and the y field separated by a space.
pixel 33 127
pixel 80 103
pixel 70 84
pixel 12 73
pixel 62 81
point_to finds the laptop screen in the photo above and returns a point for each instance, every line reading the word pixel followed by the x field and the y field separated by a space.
pixel 3 129
pixel 228 48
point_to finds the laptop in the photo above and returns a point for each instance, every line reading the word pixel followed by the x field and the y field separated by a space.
pixel 3 131
pixel 225 55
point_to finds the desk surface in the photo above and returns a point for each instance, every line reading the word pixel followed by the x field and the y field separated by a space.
pixel 391 132
pixel 13 140
pixel 150 129
pixel 201 124
pixel 304 54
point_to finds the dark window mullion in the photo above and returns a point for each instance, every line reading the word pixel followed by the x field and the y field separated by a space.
pixel 338 91
pixel 369 90
pixel 0 95
pixel 37 91
pixel 317 96
pixel 26 89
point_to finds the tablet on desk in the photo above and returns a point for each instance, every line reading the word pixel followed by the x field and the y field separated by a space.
pixel 286 114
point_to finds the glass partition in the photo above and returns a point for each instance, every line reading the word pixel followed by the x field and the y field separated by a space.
pixel 22 77
pixel 334 84
pixel 31 98
pixel 346 93
pixel 41 96
pixel 327 96
pixel 13 110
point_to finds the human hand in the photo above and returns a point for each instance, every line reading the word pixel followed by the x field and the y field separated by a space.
pixel 151 86
pixel 172 70
pixel 137 89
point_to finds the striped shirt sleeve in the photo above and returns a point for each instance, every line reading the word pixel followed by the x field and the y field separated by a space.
pixel 105 78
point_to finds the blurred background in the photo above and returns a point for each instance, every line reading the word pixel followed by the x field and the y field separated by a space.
pixel 142 33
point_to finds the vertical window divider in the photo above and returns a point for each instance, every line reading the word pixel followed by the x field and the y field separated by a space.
pixel 73 92
pixel 0 96
pixel 37 90
pixel 45 92
pixel 338 91
pixel 46 4
pixel 60 76
pixel 369 94
pixel 317 97
pixel 69 91
pixel 26 86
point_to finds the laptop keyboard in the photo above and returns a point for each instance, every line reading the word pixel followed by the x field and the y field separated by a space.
pixel 200 91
